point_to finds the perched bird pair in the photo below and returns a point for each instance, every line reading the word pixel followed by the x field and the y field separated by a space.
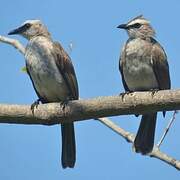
pixel 143 66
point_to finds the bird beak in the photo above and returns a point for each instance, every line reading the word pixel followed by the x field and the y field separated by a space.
pixel 17 31
pixel 122 26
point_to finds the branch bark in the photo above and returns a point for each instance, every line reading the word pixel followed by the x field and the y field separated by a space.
pixel 13 42
pixel 52 113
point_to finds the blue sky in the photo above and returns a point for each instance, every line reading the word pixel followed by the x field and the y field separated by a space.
pixel 33 152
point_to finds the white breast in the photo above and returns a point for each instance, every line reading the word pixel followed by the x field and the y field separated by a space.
pixel 46 77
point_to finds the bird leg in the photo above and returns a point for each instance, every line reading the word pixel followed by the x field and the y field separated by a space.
pixel 35 105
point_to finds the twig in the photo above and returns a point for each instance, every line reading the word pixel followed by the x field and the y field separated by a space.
pixel 13 42
pixel 167 129
pixel 120 131
pixel 156 153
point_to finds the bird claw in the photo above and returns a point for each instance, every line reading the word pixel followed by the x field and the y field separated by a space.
pixel 64 104
pixel 154 91
pixel 35 105
pixel 123 94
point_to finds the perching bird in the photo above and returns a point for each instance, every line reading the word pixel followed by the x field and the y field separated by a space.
pixel 143 66
pixel 53 77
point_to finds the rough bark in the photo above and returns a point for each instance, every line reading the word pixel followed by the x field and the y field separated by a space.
pixel 52 113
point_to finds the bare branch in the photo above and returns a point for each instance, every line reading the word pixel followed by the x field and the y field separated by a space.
pixel 13 42
pixel 167 129
pixel 156 153
pixel 52 113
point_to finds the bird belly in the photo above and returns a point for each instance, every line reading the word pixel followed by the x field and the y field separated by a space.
pixel 45 75
pixel 50 89
pixel 139 75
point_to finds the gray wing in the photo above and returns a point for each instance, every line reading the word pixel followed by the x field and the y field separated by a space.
pixel 43 100
pixel 121 63
pixel 66 68
pixel 160 66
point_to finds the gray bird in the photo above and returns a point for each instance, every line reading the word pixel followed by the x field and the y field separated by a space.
pixel 53 77
pixel 143 66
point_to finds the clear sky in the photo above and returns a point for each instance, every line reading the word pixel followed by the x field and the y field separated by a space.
pixel 33 152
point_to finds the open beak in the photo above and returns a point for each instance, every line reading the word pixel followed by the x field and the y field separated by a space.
pixel 122 26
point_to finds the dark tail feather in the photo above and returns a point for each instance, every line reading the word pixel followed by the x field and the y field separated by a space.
pixel 68 157
pixel 144 140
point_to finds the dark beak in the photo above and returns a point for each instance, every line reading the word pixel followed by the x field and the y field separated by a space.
pixel 122 26
pixel 17 31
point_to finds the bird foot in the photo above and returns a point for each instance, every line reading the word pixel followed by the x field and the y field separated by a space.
pixel 35 105
pixel 63 105
pixel 123 94
pixel 153 91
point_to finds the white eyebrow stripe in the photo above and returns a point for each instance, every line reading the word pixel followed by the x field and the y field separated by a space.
pixel 34 21
pixel 140 21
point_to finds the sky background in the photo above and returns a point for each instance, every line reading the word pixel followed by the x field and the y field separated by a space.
pixel 33 152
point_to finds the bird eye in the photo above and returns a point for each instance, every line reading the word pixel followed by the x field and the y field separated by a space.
pixel 137 25
pixel 27 25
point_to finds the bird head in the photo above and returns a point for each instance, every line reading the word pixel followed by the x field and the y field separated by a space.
pixel 138 27
pixel 30 29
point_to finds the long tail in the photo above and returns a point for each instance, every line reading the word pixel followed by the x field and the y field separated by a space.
pixel 144 140
pixel 68 156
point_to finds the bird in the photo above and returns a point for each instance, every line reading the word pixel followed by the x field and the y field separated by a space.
pixel 53 77
pixel 143 66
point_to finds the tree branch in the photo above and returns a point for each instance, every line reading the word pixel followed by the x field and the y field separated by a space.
pixel 13 42
pixel 156 153
pixel 52 113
